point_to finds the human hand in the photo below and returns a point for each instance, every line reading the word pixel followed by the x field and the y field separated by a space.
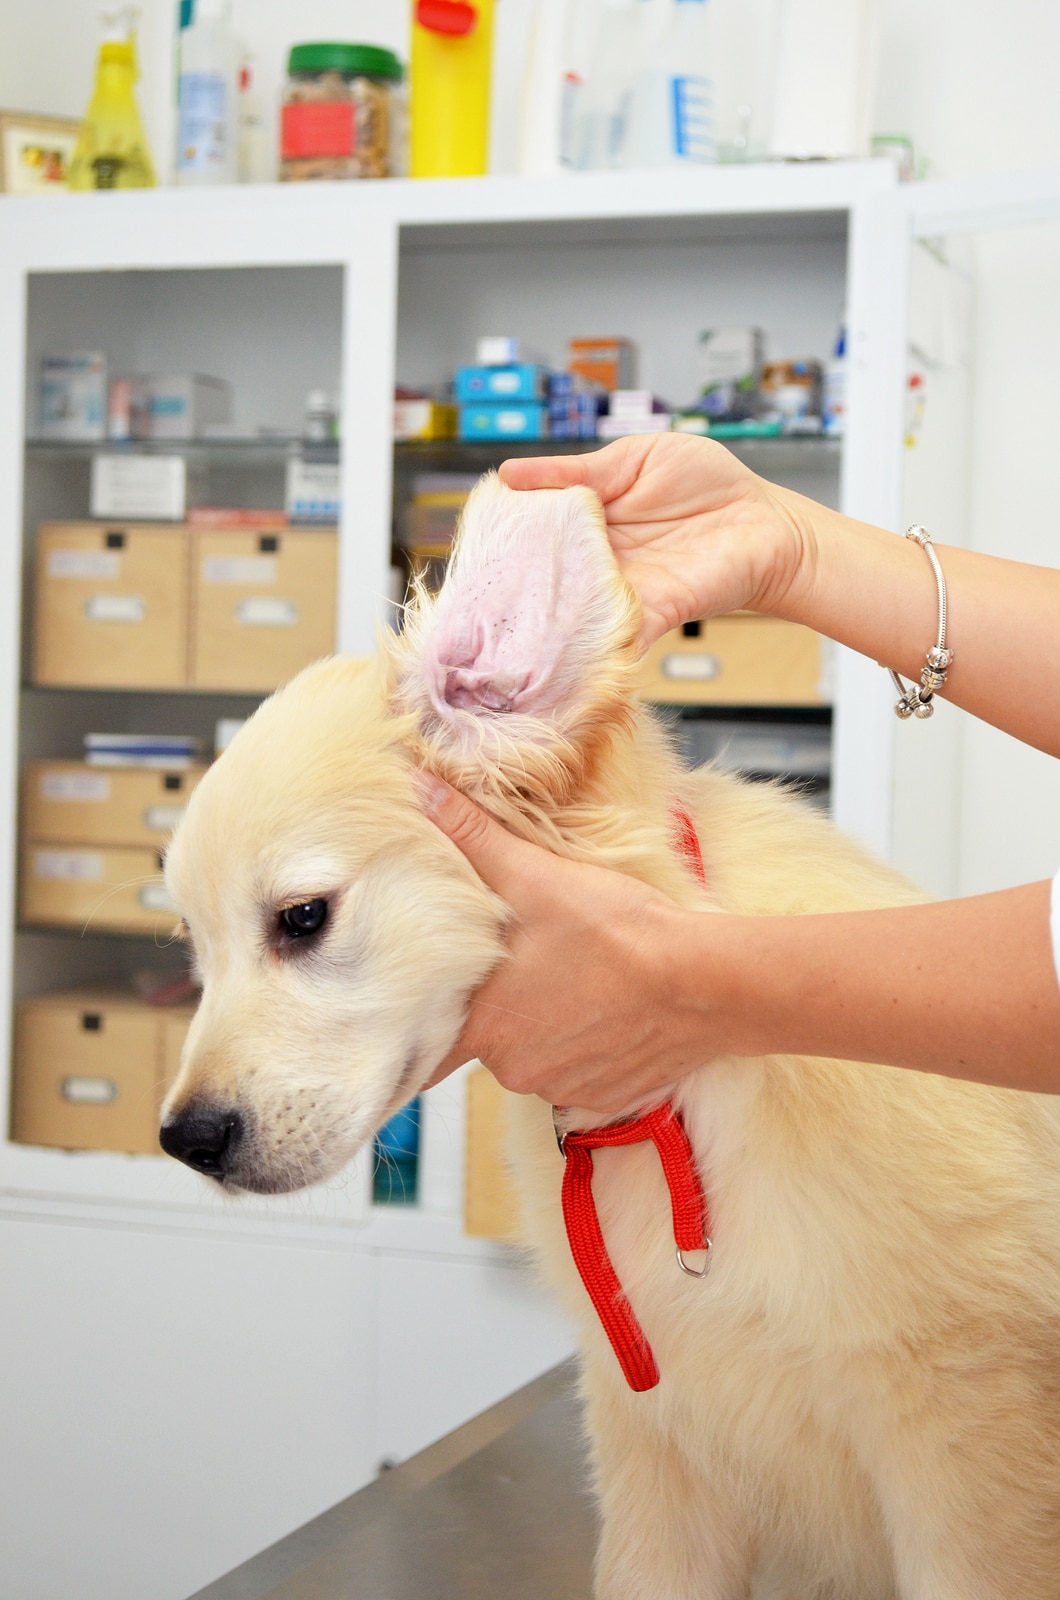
pixel 695 531
pixel 585 1010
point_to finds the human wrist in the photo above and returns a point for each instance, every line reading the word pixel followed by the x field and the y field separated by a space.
pixel 789 580
pixel 709 990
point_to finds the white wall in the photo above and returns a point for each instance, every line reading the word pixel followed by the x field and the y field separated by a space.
pixel 975 84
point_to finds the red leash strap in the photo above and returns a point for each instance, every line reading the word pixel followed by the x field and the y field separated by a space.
pixel 688 842
pixel 691 1220
pixel 664 1128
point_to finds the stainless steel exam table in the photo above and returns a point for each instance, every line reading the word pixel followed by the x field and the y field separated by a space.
pixel 497 1510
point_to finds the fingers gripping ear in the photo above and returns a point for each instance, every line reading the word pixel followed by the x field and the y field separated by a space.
pixel 529 644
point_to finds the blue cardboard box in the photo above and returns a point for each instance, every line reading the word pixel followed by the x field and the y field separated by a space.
pixel 522 381
pixel 527 419
pixel 573 415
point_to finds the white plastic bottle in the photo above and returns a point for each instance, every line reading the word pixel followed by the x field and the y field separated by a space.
pixel 207 95
pixel 602 116
pixel 256 161
pixel 834 390
pixel 671 109
pixel 541 106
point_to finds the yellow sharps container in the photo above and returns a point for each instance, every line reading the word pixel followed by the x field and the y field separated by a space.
pixel 452 50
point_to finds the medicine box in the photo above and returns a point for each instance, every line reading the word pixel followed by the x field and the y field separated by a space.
pixel 91 1069
pixel 521 381
pixel 503 350
pixel 423 419
pixel 740 659
pixel 312 490
pixel 110 605
pixel 70 802
pixel 617 427
pixel 73 395
pixel 113 888
pixel 610 363
pixel 183 405
pixel 138 486
pixel 491 1206
pixel 730 367
pixel 525 420
pixel 263 605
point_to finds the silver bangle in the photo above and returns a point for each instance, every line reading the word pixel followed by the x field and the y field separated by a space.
pixel 917 700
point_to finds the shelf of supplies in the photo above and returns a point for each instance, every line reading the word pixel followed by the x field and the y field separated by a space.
pixel 764 455
pixel 265 449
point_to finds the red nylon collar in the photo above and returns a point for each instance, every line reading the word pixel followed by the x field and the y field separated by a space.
pixel 691 1218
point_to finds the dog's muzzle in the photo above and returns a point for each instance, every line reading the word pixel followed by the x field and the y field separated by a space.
pixel 204 1137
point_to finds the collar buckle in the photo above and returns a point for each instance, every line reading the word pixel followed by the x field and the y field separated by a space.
pixel 561 1136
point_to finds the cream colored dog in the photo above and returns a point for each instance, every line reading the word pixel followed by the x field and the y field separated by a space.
pixel 861 1400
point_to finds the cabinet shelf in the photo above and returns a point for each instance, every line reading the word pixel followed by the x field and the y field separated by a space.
pixel 267 449
pixel 769 456
pixel 794 449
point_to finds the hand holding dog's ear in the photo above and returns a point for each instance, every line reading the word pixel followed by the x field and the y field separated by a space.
pixel 696 532
pixel 583 1012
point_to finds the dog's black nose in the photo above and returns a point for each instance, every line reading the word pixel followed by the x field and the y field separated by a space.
pixel 204 1137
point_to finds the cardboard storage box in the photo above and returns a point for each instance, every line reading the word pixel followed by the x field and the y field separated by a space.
pixel 108 887
pixel 70 802
pixel 91 1069
pixel 491 1206
pixel 263 605
pixel 736 660
pixel 111 605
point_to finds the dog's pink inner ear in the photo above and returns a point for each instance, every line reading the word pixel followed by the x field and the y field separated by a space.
pixel 503 631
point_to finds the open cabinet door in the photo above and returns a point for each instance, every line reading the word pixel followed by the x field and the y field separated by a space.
pixel 972 267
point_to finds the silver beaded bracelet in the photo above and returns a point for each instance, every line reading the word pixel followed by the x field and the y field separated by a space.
pixel 917 700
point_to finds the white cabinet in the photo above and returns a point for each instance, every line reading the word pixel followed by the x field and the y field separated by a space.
pixel 281 290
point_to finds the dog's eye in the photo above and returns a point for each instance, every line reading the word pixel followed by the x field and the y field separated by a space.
pixel 307 917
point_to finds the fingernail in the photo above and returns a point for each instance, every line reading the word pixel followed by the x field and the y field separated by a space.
pixel 430 791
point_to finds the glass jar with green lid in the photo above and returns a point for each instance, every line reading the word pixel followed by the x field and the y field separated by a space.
pixel 341 115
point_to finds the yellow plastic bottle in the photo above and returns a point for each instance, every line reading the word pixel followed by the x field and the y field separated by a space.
pixel 452 55
pixel 111 151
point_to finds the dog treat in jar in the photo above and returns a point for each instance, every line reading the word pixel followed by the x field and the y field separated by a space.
pixel 339 112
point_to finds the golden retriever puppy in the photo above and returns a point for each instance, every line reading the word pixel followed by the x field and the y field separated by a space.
pixel 860 1400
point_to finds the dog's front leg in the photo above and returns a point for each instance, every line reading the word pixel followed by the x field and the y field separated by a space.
pixel 667 1533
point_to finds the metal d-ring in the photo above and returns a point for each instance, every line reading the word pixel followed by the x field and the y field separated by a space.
pixel 561 1136
pixel 694 1272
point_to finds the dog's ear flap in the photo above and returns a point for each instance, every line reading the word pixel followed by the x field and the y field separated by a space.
pixel 526 655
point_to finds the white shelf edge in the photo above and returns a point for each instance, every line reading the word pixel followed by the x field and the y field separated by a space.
pixel 206 227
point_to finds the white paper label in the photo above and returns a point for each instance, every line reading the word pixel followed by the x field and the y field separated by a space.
pixel 115 608
pixel 162 819
pixel 510 421
pixel 85 866
pixel 155 897
pixel 90 1091
pixel 263 612
pixel 74 786
pixel 84 564
pixel 696 668
pixel 249 570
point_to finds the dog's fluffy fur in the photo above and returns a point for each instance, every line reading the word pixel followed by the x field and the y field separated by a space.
pixel 862 1399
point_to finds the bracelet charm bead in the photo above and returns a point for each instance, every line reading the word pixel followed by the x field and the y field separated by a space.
pixel 917 700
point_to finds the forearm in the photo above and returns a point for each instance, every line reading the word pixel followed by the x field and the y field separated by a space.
pixel 874 591
pixel 966 988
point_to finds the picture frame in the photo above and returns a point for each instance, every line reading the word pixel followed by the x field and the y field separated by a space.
pixel 35 152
